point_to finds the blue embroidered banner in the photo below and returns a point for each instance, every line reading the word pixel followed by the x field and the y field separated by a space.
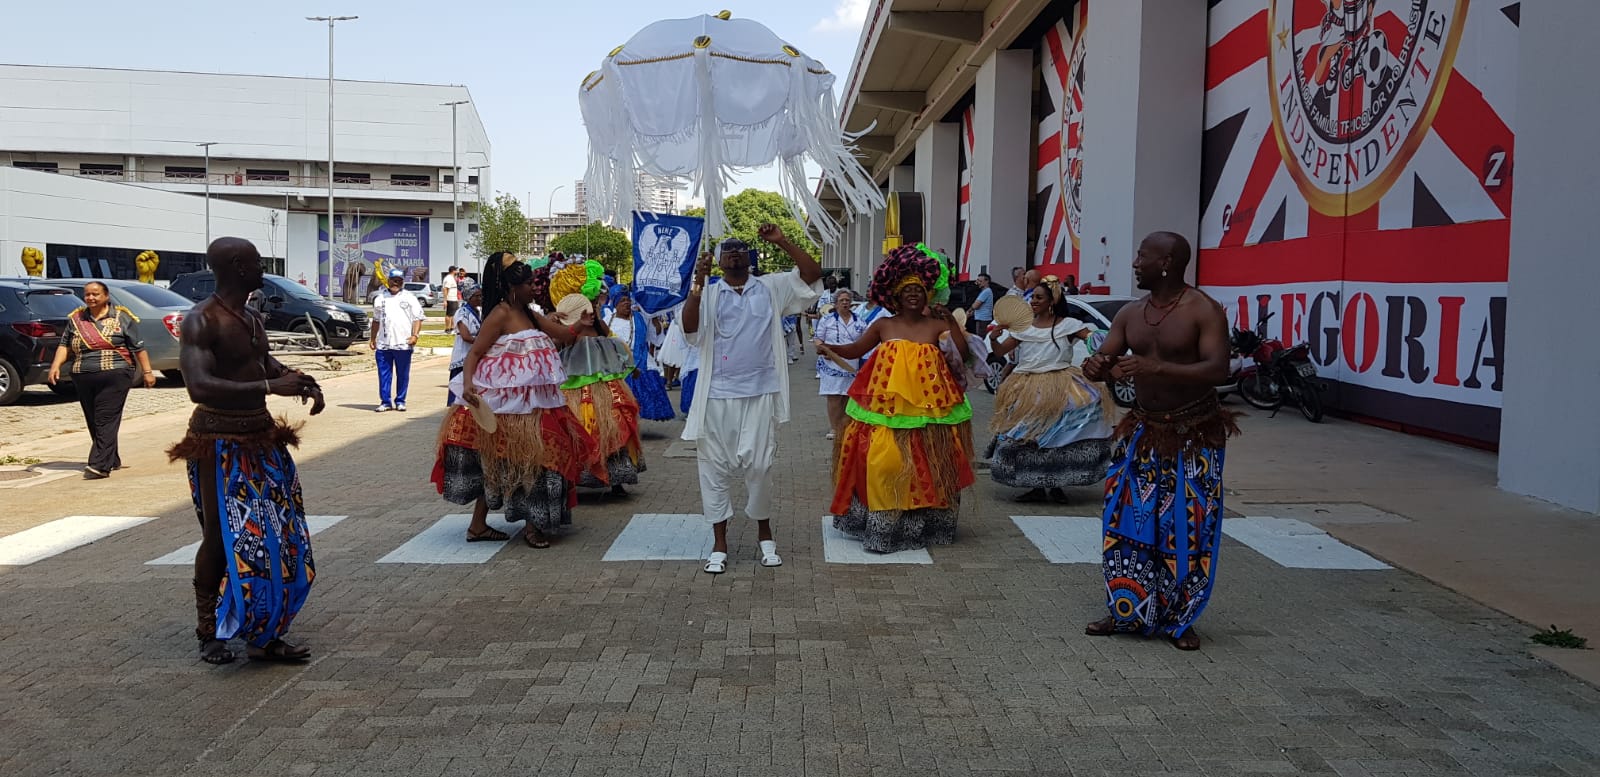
pixel 664 251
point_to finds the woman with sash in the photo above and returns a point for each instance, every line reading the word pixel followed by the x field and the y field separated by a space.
pixel 102 340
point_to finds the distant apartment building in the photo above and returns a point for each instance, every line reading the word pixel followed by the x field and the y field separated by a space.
pixel 652 193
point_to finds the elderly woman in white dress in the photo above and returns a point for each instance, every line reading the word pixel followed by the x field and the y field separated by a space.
pixel 840 326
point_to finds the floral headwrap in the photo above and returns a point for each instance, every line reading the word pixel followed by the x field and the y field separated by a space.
pixel 903 266
pixel 576 276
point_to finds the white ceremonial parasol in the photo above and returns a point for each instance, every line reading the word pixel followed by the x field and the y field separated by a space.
pixel 706 97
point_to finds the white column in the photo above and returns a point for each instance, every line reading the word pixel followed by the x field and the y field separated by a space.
pixel 938 177
pixel 1143 122
pixel 1001 158
pixel 903 179
pixel 1548 428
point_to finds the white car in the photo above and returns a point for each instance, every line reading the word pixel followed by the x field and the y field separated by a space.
pixel 422 291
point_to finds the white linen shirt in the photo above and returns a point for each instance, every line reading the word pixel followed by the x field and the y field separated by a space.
pixel 744 366
pixel 788 296
pixel 395 313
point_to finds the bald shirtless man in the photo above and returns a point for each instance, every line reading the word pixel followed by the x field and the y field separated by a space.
pixel 253 570
pixel 1163 508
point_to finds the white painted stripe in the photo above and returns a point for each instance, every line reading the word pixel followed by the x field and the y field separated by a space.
pixel 185 555
pixel 61 535
pixel 662 537
pixel 1064 540
pixel 1297 545
pixel 445 542
pixel 837 548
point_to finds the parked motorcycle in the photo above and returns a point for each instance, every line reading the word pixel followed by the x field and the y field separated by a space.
pixel 1279 374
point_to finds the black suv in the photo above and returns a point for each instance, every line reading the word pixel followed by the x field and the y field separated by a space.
pixel 32 318
pixel 286 305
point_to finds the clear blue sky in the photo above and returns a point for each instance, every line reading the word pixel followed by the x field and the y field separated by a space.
pixel 522 60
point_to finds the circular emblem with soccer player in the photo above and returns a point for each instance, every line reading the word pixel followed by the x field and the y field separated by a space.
pixel 1356 84
pixel 1072 139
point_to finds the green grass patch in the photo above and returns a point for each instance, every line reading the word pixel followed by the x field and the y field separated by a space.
pixel 1560 638
pixel 436 341
pixel 25 461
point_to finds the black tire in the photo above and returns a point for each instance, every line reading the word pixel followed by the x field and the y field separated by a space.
pixel 1310 400
pixel 1259 392
pixel 10 383
pixel 1124 393
pixel 992 381
pixel 305 328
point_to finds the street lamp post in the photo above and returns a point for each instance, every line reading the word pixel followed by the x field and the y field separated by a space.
pixel 455 189
pixel 324 271
pixel 207 146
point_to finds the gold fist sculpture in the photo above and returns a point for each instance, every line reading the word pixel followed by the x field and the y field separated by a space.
pixel 147 263
pixel 33 261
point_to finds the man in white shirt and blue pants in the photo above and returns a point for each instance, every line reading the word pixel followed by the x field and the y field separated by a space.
pixel 396 323
pixel 743 390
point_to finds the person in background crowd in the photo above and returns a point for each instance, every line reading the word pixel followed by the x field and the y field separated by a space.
pixel 469 320
pixel 982 312
pixel 452 296
pixel 841 326
pixel 1070 286
pixel 396 323
pixel 1164 493
pixel 742 393
pixel 629 325
pixel 1016 289
pixel 102 340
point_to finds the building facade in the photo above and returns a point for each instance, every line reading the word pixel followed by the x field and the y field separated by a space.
pixel 1345 167
pixel 394 180
pixel 544 229
pixel 54 226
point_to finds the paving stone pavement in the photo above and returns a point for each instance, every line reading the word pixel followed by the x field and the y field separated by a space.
pixel 556 662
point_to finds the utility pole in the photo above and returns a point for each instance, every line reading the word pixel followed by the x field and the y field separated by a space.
pixel 325 271
pixel 207 146
pixel 455 189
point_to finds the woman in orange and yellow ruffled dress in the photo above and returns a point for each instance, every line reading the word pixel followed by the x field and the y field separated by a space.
pixel 904 456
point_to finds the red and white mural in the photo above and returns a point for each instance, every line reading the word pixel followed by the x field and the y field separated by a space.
pixel 1357 185
pixel 964 209
pixel 1058 168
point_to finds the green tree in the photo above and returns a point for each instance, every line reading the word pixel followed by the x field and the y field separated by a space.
pixel 751 208
pixel 501 227
pixel 610 247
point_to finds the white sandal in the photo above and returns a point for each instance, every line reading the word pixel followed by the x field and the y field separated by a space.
pixel 769 554
pixel 717 563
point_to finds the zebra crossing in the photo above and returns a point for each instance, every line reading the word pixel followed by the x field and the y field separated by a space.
pixel 1288 542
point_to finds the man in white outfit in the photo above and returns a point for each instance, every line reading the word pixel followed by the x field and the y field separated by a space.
pixel 742 393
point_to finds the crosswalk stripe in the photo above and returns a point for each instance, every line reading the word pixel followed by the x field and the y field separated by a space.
pixel 1297 545
pixel 838 548
pixel 61 535
pixel 185 555
pixel 445 542
pixel 1064 539
pixel 661 537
